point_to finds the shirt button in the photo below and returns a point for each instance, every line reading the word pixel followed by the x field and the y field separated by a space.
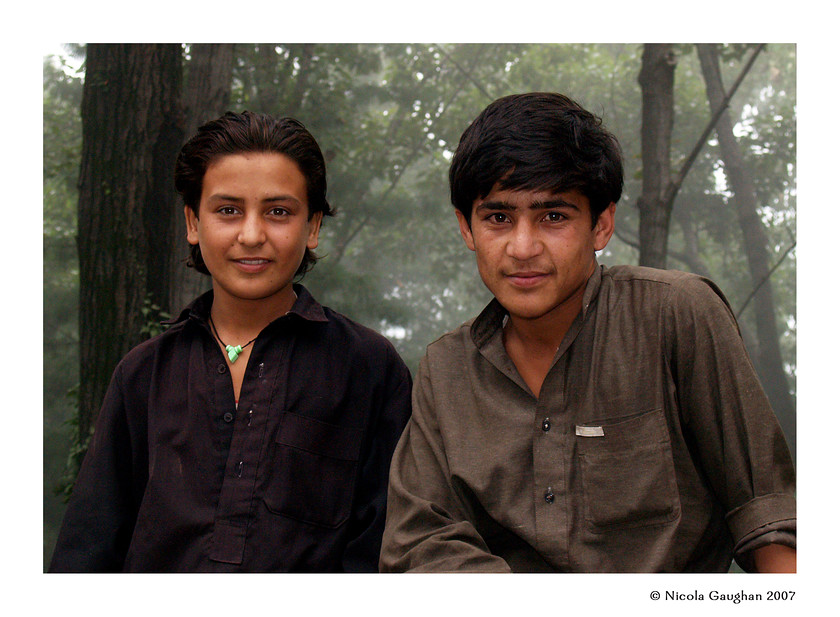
pixel 546 425
pixel 228 417
pixel 221 368
pixel 549 496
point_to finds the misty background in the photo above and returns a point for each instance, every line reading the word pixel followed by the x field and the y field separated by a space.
pixel 718 201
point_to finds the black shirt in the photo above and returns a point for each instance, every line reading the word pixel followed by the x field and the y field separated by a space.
pixel 179 478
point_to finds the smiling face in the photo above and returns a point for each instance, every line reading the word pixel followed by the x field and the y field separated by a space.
pixel 253 226
pixel 535 250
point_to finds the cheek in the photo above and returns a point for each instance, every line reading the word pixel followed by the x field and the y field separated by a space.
pixel 488 270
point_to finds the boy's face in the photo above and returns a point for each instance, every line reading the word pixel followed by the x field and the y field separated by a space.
pixel 252 225
pixel 535 249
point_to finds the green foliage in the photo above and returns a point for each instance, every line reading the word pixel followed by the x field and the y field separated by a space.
pixel 389 116
pixel 62 150
pixel 152 317
pixel 78 447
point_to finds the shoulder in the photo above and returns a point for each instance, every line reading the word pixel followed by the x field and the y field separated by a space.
pixel 670 286
pixel 355 333
pixel 138 363
pixel 450 354
pixel 641 275
pixel 179 332
pixel 359 341
pixel 453 342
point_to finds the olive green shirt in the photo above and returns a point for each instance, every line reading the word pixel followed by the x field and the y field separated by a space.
pixel 651 447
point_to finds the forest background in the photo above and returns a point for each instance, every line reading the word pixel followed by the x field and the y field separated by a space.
pixel 717 197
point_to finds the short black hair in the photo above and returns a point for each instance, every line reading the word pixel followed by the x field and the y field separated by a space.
pixel 237 133
pixel 540 141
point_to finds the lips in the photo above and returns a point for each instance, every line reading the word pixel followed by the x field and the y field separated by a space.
pixel 526 278
pixel 251 264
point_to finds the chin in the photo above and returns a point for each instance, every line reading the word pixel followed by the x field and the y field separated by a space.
pixel 523 312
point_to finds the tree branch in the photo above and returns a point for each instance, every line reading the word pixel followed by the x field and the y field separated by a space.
pixel 467 73
pixel 678 179
pixel 693 264
pixel 764 280
pixel 409 160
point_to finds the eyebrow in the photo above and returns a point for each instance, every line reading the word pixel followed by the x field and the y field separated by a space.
pixel 277 198
pixel 549 204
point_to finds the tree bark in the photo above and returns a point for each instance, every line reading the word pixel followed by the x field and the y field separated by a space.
pixel 769 363
pixel 206 97
pixel 129 111
pixel 656 79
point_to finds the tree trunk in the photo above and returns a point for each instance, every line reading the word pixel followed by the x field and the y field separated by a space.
pixel 128 120
pixel 206 97
pixel 656 79
pixel 769 361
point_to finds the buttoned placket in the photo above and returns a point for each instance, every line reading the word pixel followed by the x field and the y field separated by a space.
pixel 552 426
pixel 551 469
pixel 247 447
pixel 553 452
pixel 549 446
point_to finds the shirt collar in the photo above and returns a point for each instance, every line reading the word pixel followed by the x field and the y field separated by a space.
pixel 305 307
pixel 491 319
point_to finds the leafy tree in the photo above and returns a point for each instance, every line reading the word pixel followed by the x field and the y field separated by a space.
pixel 755 241
pixel 129 139
pixel 656 79
pixel 389 116
pixel 207 86
pixel 62 146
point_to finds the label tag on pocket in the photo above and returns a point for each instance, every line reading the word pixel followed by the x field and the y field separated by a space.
pixel 589 431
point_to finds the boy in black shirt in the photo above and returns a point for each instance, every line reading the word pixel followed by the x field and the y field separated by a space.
pixel 254 434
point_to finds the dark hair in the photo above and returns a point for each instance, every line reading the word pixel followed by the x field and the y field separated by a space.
pixel 251 132
pixel 538 141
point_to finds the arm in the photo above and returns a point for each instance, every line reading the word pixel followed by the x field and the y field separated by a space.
pixel 99 520
pixel 361 553
pixel 775 558
pixel 426 529
pixel 740 446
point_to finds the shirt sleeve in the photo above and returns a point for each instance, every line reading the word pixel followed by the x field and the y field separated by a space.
pixel 99 521
pixel 426 529
pixel 739 443
pixel 368 517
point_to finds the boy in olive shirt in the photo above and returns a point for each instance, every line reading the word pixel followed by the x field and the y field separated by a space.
pixel 590 419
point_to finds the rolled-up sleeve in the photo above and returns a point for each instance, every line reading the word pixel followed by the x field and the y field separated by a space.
pixel 739 443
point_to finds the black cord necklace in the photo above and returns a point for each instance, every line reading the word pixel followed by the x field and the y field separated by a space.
pixel 233 351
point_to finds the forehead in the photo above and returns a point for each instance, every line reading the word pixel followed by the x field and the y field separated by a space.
pixel 254 172
pixel 527 199
pixel 267 163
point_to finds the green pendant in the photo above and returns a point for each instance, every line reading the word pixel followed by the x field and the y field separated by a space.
pixel 233 352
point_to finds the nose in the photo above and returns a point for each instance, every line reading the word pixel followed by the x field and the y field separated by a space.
pixel 252 233
pixel 524 242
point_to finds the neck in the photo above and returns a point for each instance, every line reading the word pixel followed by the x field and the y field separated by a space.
pixel 547 331
pixel 544 333
pixel 241 319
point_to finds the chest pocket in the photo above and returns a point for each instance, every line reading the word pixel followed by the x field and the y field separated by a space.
pixel 627 472
pixel 314 474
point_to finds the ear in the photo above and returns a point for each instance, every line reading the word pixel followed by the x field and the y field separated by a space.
pixel 314 227
pixel 604 227
pixel 192 225
pixel 466 232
